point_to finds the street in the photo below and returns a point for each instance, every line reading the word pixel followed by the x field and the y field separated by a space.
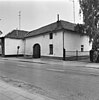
pixel 58 82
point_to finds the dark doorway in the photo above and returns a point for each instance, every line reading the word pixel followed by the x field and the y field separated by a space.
pixel 36 51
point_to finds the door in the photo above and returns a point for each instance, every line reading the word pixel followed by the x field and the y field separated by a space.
pixel 36 51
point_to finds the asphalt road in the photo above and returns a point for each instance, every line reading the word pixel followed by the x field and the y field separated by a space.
pixel 58 82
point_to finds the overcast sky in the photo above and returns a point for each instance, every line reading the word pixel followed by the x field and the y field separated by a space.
pixel 35 13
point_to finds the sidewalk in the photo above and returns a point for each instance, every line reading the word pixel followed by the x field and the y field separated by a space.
pixel 9 92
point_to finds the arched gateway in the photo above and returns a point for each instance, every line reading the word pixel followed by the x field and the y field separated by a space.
pixel 36 51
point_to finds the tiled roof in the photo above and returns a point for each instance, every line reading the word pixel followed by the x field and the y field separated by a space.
pixel 52 27
pixel 16 34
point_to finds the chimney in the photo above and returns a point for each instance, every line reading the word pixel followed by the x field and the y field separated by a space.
pixel 58 22
pixel 57 17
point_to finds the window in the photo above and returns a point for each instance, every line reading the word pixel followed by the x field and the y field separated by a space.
pixel 51 35
pixel 82 48
pixel 50 49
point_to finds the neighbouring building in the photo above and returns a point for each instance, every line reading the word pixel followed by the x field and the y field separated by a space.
pixel 12 44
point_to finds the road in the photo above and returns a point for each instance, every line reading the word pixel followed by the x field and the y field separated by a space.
pixel 58 82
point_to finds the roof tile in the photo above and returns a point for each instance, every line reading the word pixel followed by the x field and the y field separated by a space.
pixel 52 27
pixel 16 34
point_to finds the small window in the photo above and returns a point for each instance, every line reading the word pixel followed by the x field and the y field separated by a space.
pixel 51 35
pixel 18 47
pixel 82 48
pixel 50 49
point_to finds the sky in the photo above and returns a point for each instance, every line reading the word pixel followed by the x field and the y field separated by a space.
pixel 35 13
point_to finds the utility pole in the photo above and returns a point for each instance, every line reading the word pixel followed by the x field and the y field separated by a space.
pixel 19 20
pixel 74 10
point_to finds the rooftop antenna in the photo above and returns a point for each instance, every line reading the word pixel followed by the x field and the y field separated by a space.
pixel 19 20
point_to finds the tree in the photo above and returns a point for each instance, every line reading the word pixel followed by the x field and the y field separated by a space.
pixel 80 29
pixel 90 11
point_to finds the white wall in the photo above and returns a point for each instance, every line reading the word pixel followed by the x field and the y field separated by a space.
pixel 44 42
pixel 11 46
pixel 73 42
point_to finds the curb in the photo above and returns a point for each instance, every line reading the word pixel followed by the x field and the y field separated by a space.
pixel 42 62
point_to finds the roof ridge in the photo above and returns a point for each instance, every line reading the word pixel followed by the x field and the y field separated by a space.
pixel 43 26
pixel 58 25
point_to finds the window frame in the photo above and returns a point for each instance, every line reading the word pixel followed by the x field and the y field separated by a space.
pixel 82 48
pixel 50 35
pixel 51 49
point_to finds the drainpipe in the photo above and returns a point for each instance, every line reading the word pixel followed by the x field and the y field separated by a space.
pixel 63 47
pixel 24 46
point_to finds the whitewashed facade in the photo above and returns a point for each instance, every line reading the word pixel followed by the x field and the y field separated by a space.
pixel 11 46
pixel 72 42
pixel 11 41
pixel 44 42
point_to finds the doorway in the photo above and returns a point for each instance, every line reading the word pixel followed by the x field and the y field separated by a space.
pixel 36 51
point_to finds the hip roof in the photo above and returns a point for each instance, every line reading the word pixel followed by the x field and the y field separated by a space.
pixel 52 27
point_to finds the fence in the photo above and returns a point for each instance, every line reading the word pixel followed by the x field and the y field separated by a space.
pixel 0 50
pixel 76 55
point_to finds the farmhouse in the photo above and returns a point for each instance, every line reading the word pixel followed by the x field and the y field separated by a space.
pixel 50 40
